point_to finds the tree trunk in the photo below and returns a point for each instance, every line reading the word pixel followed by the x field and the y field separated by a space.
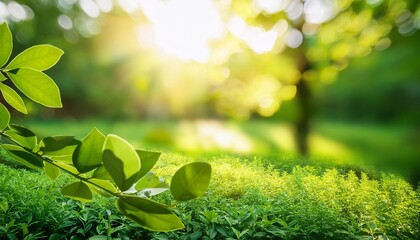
pixel 304 103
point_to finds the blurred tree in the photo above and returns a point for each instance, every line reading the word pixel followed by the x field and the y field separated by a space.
pixel 322 36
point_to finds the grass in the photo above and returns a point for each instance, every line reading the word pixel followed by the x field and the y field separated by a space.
pixel 252 195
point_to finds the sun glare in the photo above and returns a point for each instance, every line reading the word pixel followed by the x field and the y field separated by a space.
pixel 184 28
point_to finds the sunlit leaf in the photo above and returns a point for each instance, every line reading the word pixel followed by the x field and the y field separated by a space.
pixel 101 173
pixel 148 160
pixel 25 137
pixel 77 191
pixel 67 167
pixel 39 57
pixel 2 77
pixel 4 117
pixel 6 43
pixel 88 155
pixel 150 185
pixel 59 148
pixel 37 86
pixel 13 98
pixel 51 171
pixel 191 181
pixel 121 161
pixel 105 187
pixel 149 214
pixel 26 142
pixel 21 155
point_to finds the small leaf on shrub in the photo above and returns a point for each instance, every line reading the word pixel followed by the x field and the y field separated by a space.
pixel 13 98
pixel 4 117
pixel 149 214
pixel 23 156
pixel 101 173
pixel 37 86
pixel 88 155
pixel 39 57
pixel 104 184
pixel 51 171
pixel 191 181
pixel 77 191
pixel 6 43
pixel 121 161
pixel 148 160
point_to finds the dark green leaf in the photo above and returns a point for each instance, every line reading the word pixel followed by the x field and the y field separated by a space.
pixel 148 160
pixel 4 117
pixel 77 191
pixel 121 161
pixel 191 181
pixel 23 156
pixel 36 86
pixel 6 43
pixel 88 155
pixel 149 214
pixel 39 57
pixel 51 171
pixel 13 98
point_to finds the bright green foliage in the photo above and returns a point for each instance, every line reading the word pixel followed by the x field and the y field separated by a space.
pixel 151 215
pixel 6 43
pixel 36 86
pixel 78 191
pixel 40 57
pixel 121 161
pixel 107 165
pixel 88 155
pixel 4 116
pixel 191 181
pixel 13 98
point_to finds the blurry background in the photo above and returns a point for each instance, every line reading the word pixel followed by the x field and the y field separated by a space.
pixel 325 80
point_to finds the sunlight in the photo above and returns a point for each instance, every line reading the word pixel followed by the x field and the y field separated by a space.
pixel 184 28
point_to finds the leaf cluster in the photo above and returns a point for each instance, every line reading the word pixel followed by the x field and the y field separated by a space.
pixel 108 165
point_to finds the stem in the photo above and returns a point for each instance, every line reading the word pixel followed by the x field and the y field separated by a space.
pixel 50 161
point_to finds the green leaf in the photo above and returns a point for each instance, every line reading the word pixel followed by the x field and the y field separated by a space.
pixel 149 214
pixel 191 181
pixel 59 148
pixel 39 57
pixel 22 135
pixel 88 155
pixel 37 86
pixel 77 191
pixel 101 185
pixel 51 171
pixel 101 173
pixel 6 43
pixel 148 160
pixel 121 161
pixel 150 185
pixel 4 117
pixel 13 98
pixel 67 167
pixel 2 77
pixel 21 155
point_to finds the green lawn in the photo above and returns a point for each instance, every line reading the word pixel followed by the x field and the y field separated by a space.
pixel 260 189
